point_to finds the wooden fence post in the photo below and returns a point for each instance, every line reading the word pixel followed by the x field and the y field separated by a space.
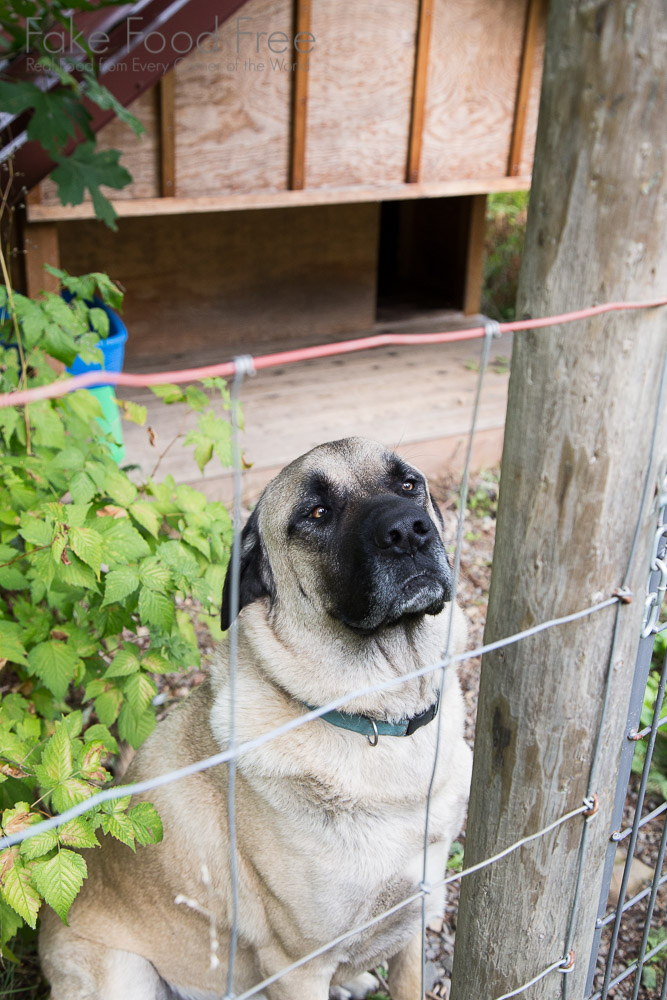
pixel 582 403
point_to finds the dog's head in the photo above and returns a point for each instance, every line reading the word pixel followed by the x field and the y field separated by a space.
pixel 348 530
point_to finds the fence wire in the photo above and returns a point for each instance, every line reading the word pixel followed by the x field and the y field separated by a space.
pixel 588 809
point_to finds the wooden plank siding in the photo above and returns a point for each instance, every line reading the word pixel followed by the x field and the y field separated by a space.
pixel 472 81
pixel 360 92
pixel 297 177
pixel 534 19
pixel 394 90
pixel 167 137
pixel 419 90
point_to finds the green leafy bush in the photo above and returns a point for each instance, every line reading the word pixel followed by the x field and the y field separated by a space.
pixel 506 216
pixel 93 570
pixel 657 776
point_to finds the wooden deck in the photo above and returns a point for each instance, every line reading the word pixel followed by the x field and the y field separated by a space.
pixel 417 400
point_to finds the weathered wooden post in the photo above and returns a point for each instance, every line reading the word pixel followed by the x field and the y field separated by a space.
pixel 582 403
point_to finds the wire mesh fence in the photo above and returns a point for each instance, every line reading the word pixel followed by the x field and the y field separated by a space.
pixel 580 815
pixel 649 962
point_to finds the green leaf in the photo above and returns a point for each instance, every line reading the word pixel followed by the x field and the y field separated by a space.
pixel 82 487
pixel 101 733
pixel 116 822
pixel 83 404
pixel 168 393
pixel 38 845
pixel 197 541
pixel 69 458
pixel 135 728
pixel 146 823
pixel 179 559
pixel 70 793
pixel 11 578
pixel 85 169
pixel 11 648
pixel 133 411
pixel 122 543
pixel 74 723
pixel 124 664
pixel 49 431
pixel 59 343
pixel 10 923
pixel 156 609
pixel 55 663
pixel 75 514
pixel 196 399
pixel 155 663
pixel 56 112
pixel 107 706
pixel 106 100
pixel 35 530
pixel 203 454
pixel 147 516
pixel 139 691
pixel 60 879
pixel 118 486
pixel 87 544
pixel 17 888
pixel 154 575
pixel 119 584
pixel 77 574
pixel 56 763
pixel 77 832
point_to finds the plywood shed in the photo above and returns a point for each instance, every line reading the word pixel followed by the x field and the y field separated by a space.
pixel 292 196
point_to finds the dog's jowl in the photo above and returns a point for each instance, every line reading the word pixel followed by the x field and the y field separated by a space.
pixel 344 585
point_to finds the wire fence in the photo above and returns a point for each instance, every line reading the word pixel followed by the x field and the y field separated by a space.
pixel 584 812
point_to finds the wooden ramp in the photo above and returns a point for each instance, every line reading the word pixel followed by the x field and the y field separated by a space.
pixel 417 400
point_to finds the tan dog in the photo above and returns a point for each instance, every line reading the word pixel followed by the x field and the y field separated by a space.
pixel 344 583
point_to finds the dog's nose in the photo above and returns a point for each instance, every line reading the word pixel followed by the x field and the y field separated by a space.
pixel 402 532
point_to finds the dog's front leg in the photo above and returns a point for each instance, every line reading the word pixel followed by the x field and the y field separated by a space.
pixel 405 971
pixel 303 983
pixel 309 982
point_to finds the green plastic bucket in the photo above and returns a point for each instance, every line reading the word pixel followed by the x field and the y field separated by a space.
pixel 110 419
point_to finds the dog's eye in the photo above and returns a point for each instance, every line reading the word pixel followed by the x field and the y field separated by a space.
pixel 318 511
pixel 408 486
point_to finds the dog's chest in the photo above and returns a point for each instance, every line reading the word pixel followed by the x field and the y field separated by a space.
pixel 352 832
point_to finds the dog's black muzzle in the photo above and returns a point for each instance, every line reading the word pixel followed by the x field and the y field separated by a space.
pixel 396 565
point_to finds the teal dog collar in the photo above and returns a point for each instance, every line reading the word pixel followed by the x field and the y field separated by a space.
pixel 374 728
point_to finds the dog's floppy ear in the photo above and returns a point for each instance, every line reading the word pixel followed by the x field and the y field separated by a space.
pixel 255 576
pixel 438 512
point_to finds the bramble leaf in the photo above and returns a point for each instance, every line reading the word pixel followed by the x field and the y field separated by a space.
pixel 146 823
pixel 55 664
pixel 139 691
pixel 78 832
pixel 135 728
pixel 147 516
pixel 56 763
pixel 154 574
pixel 60 879
pixel 107 706
pixel 125 663
pixel 87 544
pixel 120 583
pixel 156 609
pixel 16 886
pixel 39 844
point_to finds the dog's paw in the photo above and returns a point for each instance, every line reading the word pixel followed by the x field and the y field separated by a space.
pixel 355 989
